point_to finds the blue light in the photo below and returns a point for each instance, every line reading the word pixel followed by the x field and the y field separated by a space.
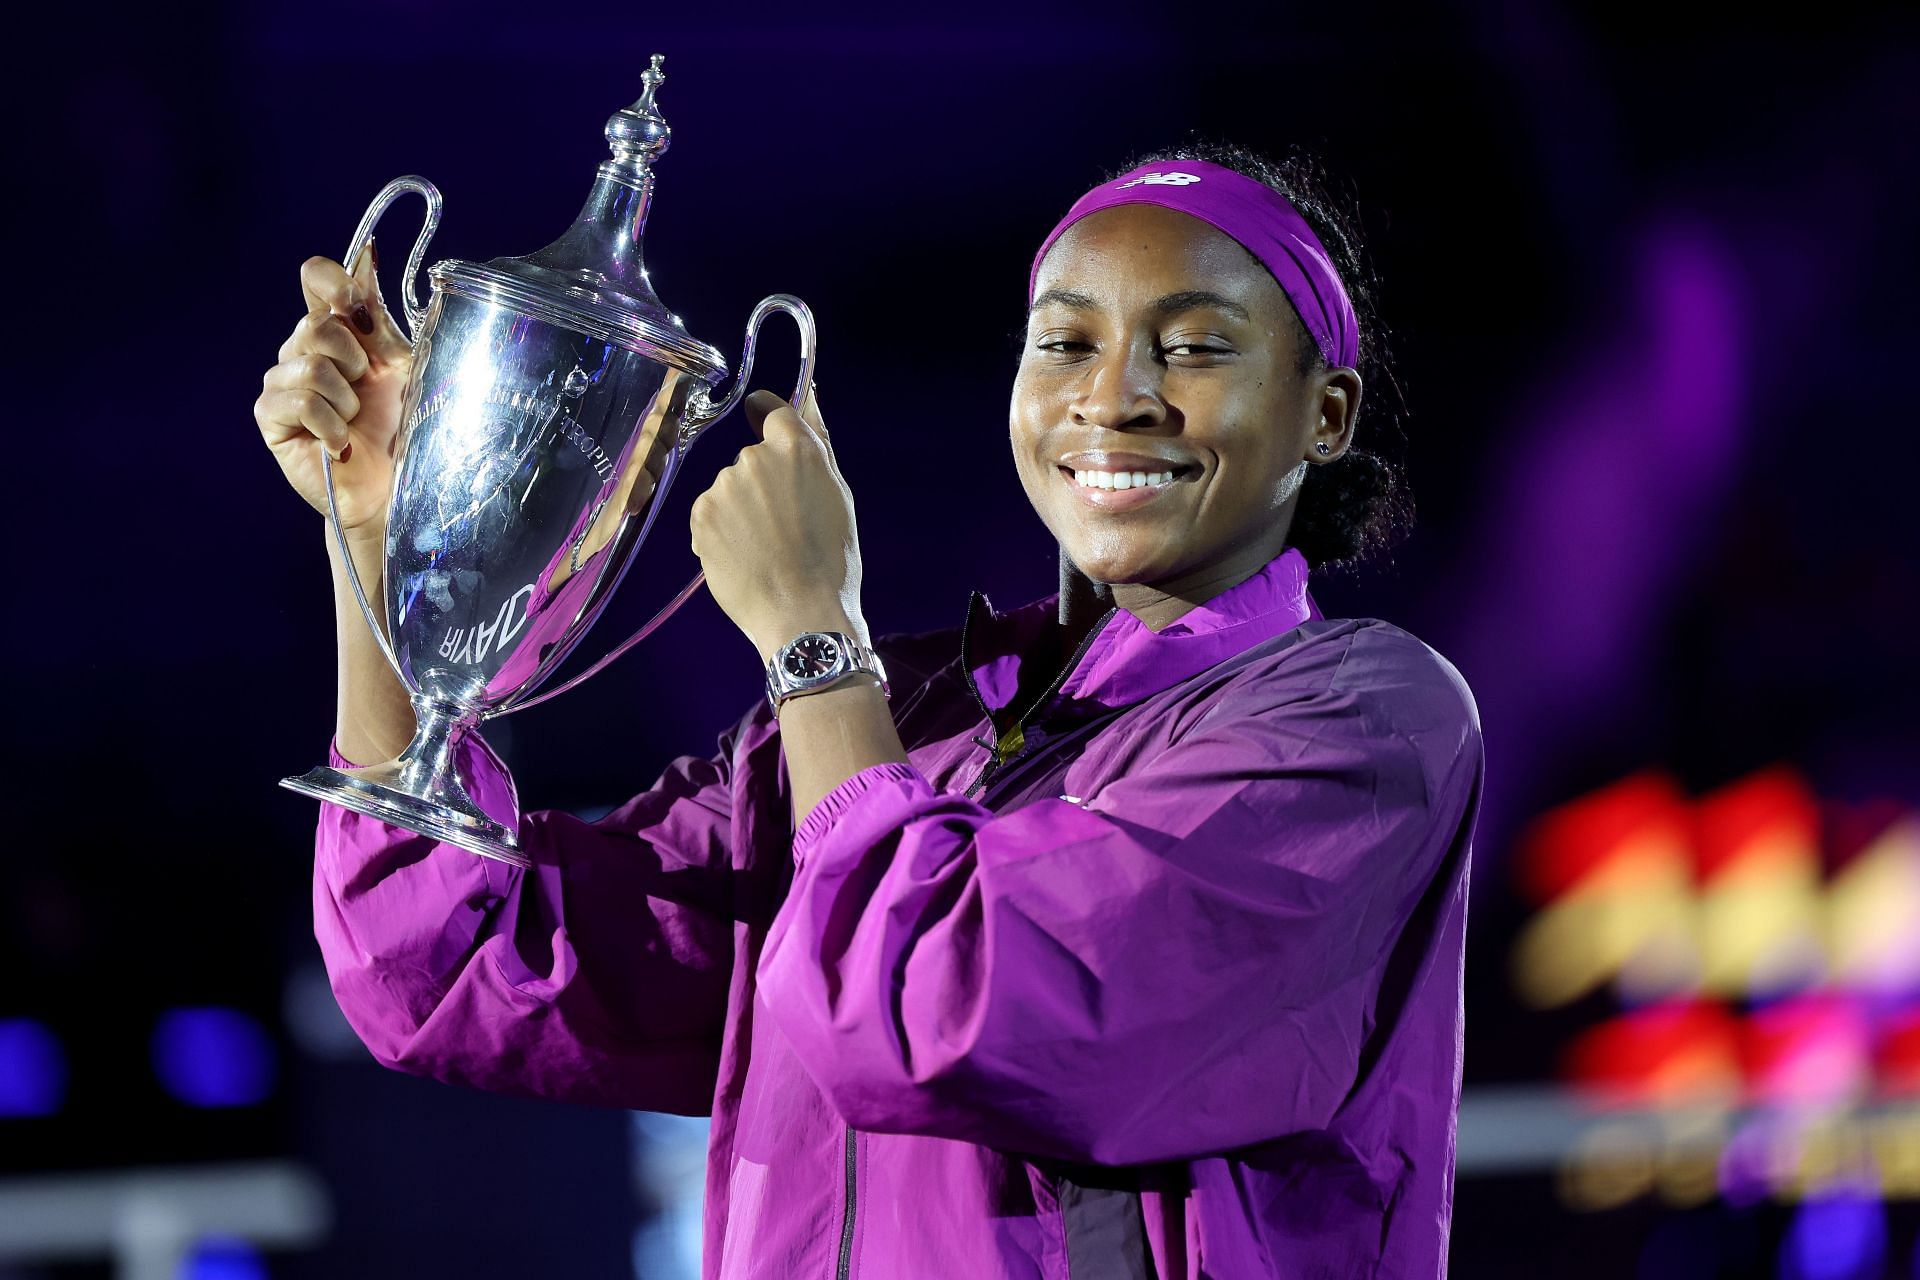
pixel 33 1070
pixel 213 1057
pixel 222 1258
pixel 1842 1236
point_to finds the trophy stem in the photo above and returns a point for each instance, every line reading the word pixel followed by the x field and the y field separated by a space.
pixel 421 789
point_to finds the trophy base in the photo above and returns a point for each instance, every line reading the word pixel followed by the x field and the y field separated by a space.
pixel 372 791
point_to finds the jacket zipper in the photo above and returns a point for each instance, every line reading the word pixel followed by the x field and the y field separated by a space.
pixel 994 760
pixel 846 1227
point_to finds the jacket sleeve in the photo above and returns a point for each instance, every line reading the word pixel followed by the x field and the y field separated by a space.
pixel 1184 964
pixel 601 975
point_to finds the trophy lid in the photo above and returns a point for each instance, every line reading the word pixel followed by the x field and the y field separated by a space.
pixel 593 278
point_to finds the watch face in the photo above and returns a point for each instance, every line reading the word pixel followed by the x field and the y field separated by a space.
pixel 811 657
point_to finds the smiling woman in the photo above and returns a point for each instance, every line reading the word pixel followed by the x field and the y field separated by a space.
pixel 1345 504
pixel 1124 941
pixel 1130 369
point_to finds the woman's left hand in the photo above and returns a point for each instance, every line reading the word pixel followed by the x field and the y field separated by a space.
pixel 775 532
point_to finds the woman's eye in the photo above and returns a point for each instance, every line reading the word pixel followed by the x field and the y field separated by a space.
pixel 1195 350
pixel 1067 346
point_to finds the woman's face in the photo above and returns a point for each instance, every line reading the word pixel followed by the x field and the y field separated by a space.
pixel 1158 347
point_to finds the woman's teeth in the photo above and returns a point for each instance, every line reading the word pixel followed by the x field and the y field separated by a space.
pixel 1123 479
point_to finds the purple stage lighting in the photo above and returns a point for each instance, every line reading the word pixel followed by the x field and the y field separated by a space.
pixel 33 1070
pixel 223 1258
pixel 1842 1236
pixel 213 1057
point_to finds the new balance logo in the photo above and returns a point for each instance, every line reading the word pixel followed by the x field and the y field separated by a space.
pixel 1162 180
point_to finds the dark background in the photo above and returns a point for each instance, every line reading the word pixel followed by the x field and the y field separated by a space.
pixel 1650 277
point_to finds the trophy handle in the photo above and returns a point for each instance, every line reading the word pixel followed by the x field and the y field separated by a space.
pixel 416 317
pixel 701 414
pixel 409 299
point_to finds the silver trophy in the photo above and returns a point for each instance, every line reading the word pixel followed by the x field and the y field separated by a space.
pixel 552 402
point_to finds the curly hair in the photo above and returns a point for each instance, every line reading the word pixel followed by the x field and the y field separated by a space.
pixel 1355 509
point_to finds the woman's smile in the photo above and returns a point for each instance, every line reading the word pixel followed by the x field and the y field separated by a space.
pixel 1114 481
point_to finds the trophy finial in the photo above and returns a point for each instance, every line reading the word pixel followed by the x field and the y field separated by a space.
pixel 638 135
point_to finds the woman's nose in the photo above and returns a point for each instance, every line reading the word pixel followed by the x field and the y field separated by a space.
pixel 1120 389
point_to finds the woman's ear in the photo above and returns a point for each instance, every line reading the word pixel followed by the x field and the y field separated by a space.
pixel 1340 391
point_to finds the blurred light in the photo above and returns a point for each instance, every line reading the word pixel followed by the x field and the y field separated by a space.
pixel 1688 1171
pixel 1761 916
pixel 1610 1165
pixel 1842 1236
pixel 1684 1155
pixel 313 1018
pixel 222 1258
pixel 669 1172
pixel 1894 1142
pixel 1896 1053
pixel 1632 919
pixel 1872 903
pixel 213 1057
pixel 1664 1054
pixel 1833 1153
pixel 1751 1164
pixel 1568 844
pixel 33 1069
pixel 1807 1049
pixel 1615 875
pixel 1718 904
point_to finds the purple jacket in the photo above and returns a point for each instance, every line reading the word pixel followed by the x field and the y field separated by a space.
pixel 1164 980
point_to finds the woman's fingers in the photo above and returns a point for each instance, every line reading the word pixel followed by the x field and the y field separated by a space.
pixel 385 338
pixel 775 531
pixel 355 298
pixel 321 333
pixel 317 374
pixel 339 381
pixel 326 286
pixel 768 412
pixel 758 405
pixel 285 415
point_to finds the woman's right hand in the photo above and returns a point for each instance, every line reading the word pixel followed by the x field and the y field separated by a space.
pixel 339 385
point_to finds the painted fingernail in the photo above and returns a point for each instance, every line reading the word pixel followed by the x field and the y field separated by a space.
pixel 346 453
pixel 373 247
pixel 363 318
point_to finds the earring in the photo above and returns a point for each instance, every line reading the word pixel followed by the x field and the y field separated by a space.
pixel 1323 448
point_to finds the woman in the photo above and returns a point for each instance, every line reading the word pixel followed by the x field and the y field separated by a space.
pixel 1125 940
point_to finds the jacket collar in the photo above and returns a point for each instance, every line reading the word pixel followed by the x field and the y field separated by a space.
pixel 1121 661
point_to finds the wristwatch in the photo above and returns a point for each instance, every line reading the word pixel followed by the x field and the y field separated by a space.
pixel 817 660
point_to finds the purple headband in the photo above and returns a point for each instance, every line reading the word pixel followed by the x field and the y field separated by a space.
pixel 1256 216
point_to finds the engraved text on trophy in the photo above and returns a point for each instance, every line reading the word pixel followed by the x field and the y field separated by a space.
pixel 473 644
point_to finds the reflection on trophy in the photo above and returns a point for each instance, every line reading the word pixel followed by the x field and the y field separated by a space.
pixel 552 401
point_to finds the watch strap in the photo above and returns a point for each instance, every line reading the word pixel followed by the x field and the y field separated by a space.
pixel 852 658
